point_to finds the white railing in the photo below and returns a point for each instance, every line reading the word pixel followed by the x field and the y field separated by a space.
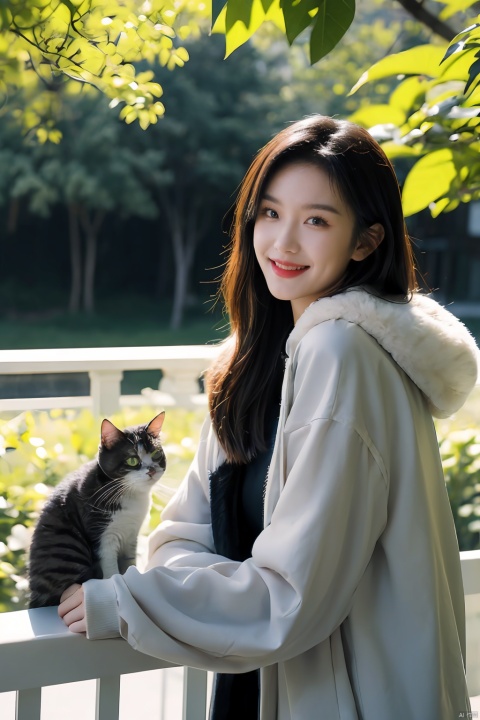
pixel 36 650
pixel 181 366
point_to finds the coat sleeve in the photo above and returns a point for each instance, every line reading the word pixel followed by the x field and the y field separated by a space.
pixel 206 611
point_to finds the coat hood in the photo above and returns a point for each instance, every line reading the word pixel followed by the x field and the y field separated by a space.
pixel 429 343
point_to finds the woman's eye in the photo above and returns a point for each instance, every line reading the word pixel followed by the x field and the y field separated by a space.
pixel 268 212
pixel 133 461
pixel 157 455
pixel 316 221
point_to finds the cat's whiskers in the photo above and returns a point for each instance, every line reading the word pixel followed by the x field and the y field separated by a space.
pixel 108 494
pixel 104 490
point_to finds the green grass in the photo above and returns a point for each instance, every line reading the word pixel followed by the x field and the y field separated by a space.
pixel 130 322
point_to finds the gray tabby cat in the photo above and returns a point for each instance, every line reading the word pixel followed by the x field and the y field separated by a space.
pixel 90 524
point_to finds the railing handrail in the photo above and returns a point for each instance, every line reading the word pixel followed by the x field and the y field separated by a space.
pixel 37 649
pixel 69 360
pixel 181 366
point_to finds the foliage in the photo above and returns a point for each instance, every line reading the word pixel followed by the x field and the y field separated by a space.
pixel 48 44
pixel 55 45
pixel 38 449
pixel 460 452
pixel 323 88
pixel 432 117
pixel 327 21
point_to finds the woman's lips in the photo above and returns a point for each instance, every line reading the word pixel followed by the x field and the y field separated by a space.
pixel 287 270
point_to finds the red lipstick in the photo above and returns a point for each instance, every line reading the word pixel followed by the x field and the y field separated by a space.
pixel 285 270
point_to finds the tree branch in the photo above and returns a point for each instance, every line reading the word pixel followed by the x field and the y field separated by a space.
pixel 416 9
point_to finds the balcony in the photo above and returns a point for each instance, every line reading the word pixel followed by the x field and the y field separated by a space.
pixel 39 658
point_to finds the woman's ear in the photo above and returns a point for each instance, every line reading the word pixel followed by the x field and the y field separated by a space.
pixel 368 241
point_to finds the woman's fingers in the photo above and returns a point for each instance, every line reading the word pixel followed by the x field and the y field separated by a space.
pixel 71 599
pixel 72 609
pixel 74 615
pixel 69 591
pixel 78 627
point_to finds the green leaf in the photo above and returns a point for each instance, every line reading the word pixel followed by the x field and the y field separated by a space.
pixel 71 8
pixel 239 11
pixel 420 60
pixel 438 207
pixel 473 98
pixel 455 7
pixel 238 33
pixel 332 21
pixel 217 7
pixel 298 16
pixel 428 180
pixel 453 48
pixel 472 75
pixel 458 66
pixel 371 115
pixel 408 93
pixel 395 150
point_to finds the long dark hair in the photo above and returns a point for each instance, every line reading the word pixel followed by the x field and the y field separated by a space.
pixel 245 379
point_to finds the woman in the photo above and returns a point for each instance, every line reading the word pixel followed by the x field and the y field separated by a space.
pixel 336 572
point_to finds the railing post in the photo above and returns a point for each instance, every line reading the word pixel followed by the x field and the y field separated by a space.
pixel 181 382
pixel 105 391
pixel 29 704
pixel 107 701
pixel 194 694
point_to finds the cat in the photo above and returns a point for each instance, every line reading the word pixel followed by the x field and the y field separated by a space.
pixel 90 523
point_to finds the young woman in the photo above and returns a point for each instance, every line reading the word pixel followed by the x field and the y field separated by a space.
pixel 312 537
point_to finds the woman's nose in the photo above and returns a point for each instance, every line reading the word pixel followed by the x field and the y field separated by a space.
pixel 286 239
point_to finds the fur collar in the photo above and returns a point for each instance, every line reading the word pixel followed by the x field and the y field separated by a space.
pixel 434 348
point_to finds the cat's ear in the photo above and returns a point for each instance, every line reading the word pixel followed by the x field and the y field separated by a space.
pixel 110 434
pixel 155 425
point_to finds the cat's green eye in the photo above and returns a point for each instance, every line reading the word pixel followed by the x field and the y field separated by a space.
pixel 133 461
pixel 157 455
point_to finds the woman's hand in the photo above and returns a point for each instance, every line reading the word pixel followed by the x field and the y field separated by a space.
pixel 72 609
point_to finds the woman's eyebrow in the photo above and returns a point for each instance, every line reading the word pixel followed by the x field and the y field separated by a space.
pixel 309 206
pixel 320 206
pixel 266 196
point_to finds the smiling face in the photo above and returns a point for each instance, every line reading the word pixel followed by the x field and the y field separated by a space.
pixel 304 235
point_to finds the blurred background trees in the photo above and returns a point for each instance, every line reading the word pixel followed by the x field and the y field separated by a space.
pixel 108 191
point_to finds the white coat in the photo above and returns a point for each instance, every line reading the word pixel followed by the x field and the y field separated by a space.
pixel 352 603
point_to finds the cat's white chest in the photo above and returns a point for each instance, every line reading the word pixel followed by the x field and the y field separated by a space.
pixel 118 545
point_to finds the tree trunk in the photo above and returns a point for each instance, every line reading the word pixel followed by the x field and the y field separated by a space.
pixel 163 269
pixel 184 236
pixel 179 295
pixel 181 268
pixel 91 228
pixel 75 259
